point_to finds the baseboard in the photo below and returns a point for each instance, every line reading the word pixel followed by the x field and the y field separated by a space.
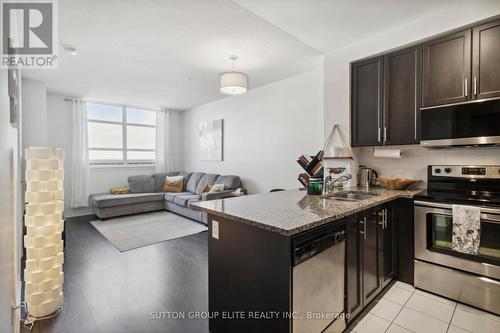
pixel 77 212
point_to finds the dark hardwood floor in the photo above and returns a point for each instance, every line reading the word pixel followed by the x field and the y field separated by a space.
pixel 110 291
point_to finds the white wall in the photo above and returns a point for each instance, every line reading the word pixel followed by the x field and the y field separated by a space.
pixel 9 222
pixel 337 81
pixel 34 101
pixel 265 131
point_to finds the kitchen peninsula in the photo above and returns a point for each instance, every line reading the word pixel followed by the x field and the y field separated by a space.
pixel 260 248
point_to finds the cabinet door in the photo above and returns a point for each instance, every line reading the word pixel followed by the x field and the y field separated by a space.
pixel 402 97
pixel 403 225
pixel 387 247
pixel 371 264
pixel 354 301
pixel 367 102
pixel 485 61
pixel 447 69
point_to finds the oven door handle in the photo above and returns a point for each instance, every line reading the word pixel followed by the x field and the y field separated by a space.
pixel 449 206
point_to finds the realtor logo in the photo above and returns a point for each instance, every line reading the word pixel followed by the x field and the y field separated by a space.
pixel 29 34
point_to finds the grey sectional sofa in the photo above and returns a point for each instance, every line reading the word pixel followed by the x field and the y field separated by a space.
pixel 146 195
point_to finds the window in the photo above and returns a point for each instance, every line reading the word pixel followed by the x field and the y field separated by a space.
pixel 121 135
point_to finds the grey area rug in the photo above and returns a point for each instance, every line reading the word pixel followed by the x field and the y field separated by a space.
pixel 131 232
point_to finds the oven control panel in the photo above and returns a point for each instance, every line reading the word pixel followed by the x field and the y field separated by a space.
pixel 466 171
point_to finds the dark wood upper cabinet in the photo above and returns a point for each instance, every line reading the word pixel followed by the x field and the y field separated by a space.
pixel 447 69
pixel 388 91
pixel 402 97
pixel 367 102
pixel 486 61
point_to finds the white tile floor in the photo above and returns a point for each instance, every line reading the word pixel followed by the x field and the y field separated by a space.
pixel 405 309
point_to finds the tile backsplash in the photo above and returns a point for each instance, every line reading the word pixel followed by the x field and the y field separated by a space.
pixel 413 163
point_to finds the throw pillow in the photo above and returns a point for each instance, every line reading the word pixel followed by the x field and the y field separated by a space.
pixel 119 190
pixel 207 188
pixel 173 184
pixel 218 188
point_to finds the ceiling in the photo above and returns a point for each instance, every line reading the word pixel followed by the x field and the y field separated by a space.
pixel 168 53
pixel 140 52
pixel 327 25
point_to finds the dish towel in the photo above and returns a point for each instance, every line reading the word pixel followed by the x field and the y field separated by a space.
pixel 466 229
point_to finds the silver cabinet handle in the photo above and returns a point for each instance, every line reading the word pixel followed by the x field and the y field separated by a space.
pixel 383 215
pixel 475 86
pixel 378 135
pixel 416 87
pixel 364 228
pixel 466 93
pixel 385 134
pixel 385 218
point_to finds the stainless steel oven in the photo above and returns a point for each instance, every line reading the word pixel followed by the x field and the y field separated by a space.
pixel 433 234
pixel 470 279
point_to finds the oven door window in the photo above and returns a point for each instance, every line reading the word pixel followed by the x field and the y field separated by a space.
pixel 439 238
pixel 441 231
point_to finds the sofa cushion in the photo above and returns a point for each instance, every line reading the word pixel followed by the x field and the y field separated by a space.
pixel 141 184
pixel 230 182
pixel 187 176
pixel 170 196
pixel 183 200
pixel 159 178
pixel 173 184
pixel 192 184
pixel 103 200
pixel 204 181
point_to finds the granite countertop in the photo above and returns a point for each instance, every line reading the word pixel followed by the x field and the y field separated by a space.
pixel 293 211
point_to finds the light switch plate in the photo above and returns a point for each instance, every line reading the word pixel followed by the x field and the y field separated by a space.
pixel 215 229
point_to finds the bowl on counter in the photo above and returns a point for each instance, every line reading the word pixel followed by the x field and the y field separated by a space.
pixel 395 183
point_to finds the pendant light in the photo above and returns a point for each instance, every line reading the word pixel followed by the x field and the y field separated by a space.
pixel 233 83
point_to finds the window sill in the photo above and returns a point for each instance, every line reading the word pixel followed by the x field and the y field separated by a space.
pixel 120 166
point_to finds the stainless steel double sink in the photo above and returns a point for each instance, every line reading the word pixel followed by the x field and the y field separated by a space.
pixel 350 195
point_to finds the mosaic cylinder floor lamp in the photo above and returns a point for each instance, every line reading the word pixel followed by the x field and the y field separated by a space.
pixel 43 274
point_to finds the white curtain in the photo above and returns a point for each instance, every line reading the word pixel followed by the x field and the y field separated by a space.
pixel 163 141
pixel 79 156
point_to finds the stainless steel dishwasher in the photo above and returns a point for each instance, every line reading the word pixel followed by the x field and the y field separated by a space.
pixel 318 281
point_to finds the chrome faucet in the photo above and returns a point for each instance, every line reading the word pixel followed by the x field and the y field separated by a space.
pixel 330 182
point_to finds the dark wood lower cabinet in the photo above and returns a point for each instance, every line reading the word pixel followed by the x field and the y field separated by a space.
pixel 370 257
pixel 387 241
pixel 354 300
pixel 249 269
pixel 404 229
